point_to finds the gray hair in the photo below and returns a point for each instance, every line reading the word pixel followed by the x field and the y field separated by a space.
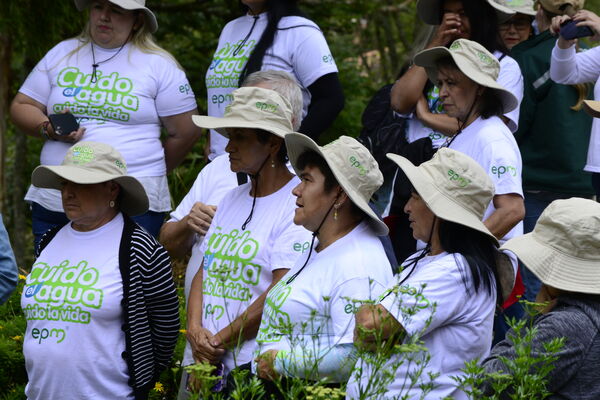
pixel 285 85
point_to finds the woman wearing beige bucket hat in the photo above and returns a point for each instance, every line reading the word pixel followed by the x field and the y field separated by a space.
pixel 475 20
pixel 100 303
pixel 309 314
pixel 251 242
pixel 563 251
pixel 121 87
pixel 446 294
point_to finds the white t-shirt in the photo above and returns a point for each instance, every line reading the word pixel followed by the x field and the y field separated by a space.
pixel 299 48
pixel 123 108
pixel 72 303
pixel 569 67
pixel 460 329
pixel 319 304
pixel 493 146
pixel 238 265
pixel 510 77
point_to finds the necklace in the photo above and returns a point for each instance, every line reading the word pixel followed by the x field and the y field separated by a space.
pixel 95 64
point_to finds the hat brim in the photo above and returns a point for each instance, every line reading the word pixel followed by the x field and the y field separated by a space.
pixel 429 11
pixel 441 205
pixel 555 268
pixel 134 200
pixel 448 209
pixel 298 143
pixel 127 5
pixel 221 124
pixel 428 59
pixel 592 108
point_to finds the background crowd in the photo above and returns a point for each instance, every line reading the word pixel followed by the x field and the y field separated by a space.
pixel 492 102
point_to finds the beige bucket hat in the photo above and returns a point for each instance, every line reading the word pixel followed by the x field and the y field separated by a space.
pixel 252 107
pixel 558 6
pixel 563 250
pixel 519 6
pixel 353 166
pixel 430 11
pixel 473 60
pixel 127 5
pixel 592 107
pixel 456 189
pixel 92 162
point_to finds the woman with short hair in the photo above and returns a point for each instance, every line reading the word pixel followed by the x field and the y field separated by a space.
pixel 307 323
pixel 100 303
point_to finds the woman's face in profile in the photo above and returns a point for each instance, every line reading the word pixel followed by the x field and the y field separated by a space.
pixel 420 217
pixel 312 201
pixel 110 25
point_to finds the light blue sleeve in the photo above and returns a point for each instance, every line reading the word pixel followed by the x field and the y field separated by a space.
pixel 8 266
pixel 334 363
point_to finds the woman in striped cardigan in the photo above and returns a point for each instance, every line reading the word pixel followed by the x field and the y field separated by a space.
pixel 100 303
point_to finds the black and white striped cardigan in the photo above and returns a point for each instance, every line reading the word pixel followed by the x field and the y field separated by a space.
pixel 150 305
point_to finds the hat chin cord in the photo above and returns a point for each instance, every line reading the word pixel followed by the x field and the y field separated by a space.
pixel 254 178
pixel 461 124
pixel 414 261
pixel 312 242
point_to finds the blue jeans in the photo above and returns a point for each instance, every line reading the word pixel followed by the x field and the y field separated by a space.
pixel 43 219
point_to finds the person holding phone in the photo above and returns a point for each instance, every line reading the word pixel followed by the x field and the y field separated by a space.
pixel 121 87
pixel 569 67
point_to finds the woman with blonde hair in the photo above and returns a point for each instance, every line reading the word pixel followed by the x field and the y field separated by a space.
pixel 121 88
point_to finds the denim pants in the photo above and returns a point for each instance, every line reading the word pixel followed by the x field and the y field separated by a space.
pixel 43 219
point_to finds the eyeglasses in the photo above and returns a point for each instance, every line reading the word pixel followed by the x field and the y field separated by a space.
pixel 519 24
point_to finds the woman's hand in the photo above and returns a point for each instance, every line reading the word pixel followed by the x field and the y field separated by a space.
pixel 200 217
pixel 72 137
pixel 265 365
pixel 449 30
pixel 374 326
pixel 422 108
pixel 555 29
pixel 201 342
pixel 589 19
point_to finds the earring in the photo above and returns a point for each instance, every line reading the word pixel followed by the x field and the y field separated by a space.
pixel 111 204
pixel 272 163
pixel 335 214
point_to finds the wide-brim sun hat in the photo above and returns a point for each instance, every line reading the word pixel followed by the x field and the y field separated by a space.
pixel 127 5
pixel 473 60
pixel 254 108
pixel 525 7
pixel 592 108
pixel 457 189
pixel 563 250
pixel 558 7
pixel 352 165
pixel 430 11
pixel 88 163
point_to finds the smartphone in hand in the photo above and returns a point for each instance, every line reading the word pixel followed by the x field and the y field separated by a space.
pixel 569 30
pixel 63 124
